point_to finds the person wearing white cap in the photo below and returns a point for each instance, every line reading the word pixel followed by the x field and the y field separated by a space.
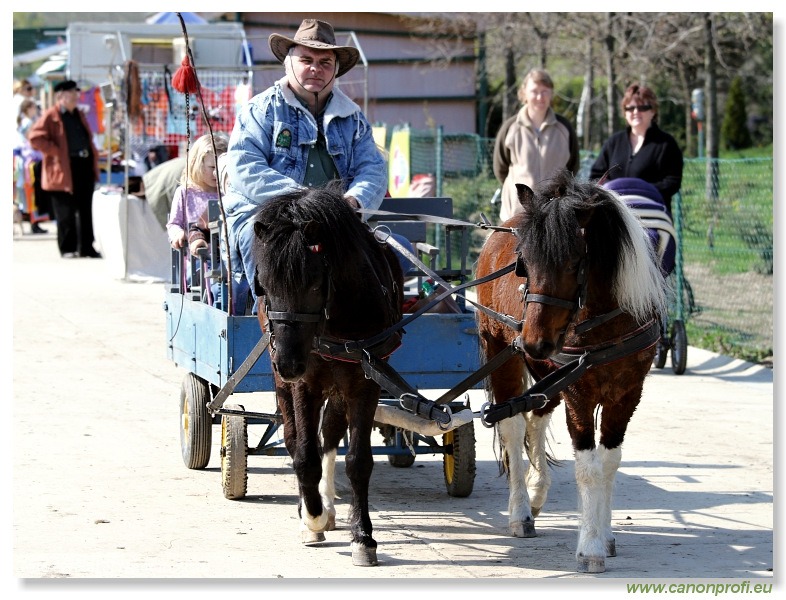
pixel 300 132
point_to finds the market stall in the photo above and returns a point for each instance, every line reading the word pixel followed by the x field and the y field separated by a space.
pixel 125 71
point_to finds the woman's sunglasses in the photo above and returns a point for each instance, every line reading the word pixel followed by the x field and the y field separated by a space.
pixel 642 108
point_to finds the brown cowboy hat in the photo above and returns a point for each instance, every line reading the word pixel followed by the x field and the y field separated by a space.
pixel 318 35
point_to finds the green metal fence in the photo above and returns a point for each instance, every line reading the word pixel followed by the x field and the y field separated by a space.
pixel 727 234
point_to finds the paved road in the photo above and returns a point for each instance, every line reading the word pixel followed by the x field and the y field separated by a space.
pixel 100 489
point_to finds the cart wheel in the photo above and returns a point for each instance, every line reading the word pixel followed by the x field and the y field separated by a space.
pixel 234 454
pixel 458 461
pixel 195 422
pixel 679 347
pixel 401 461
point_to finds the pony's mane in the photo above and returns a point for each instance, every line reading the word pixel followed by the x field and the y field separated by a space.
pixel 616 241
pixel 284 245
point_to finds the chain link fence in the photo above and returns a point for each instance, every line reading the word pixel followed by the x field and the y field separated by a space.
pixel 726 233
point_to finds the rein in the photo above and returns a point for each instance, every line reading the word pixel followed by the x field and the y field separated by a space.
pixel 555 382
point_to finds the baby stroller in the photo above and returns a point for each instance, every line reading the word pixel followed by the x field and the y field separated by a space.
pixel 647 203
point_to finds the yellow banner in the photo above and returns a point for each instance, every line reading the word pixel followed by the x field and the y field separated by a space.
pixel 398 165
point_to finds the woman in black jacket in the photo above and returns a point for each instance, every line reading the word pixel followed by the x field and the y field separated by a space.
pixel 642 149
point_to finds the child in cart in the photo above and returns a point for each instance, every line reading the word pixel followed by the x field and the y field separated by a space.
pixel 198 186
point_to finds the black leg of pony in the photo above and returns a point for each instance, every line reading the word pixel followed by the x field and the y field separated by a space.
pixel 307 462
pixel 360 463
pixel 334 428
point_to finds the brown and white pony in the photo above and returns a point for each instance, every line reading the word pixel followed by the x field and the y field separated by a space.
pixel 591 286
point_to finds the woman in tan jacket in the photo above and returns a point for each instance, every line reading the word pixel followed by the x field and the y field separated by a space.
pixel 533 144
pixel 69 171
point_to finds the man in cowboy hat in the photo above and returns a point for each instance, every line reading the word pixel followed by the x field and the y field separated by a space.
pixel 300 132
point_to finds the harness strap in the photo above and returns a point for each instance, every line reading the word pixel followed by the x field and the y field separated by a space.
pixel 540 298
pixel 555 382
pixel 504 319
pixel 409 398
pixel 639 339
pixel 389 239
pixel 499 359
pixel 275 315
pixel 585 326
pixel 334 348
pixel 409 217
pixel 538 395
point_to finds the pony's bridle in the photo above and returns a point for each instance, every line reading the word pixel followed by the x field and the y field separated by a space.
pixel 572 305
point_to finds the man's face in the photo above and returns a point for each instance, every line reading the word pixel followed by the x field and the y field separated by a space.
pixel 311 70
pixel 69 98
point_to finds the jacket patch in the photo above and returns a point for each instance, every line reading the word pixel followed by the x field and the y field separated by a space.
pixel 284 139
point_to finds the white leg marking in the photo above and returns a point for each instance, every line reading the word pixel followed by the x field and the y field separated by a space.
pixel 327 488
pixel 610 459
pixel 590 481
pixel 511 436
pixel 538 475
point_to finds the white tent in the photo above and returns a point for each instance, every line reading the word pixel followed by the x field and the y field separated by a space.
pixel 32 56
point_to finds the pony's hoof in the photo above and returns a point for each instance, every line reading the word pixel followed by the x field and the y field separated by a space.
pixel 523 529
pixel 591 564
pixel 317 523
pixel 363 556
pixel 611 547
pixel 309 537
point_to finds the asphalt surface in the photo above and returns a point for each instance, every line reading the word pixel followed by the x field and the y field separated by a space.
pixel 100 493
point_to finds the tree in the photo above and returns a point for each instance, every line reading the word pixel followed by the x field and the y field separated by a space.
pixel 734 129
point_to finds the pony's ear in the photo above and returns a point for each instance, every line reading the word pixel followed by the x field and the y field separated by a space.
pixel 260 228
pixel 258 289
pixel 525 194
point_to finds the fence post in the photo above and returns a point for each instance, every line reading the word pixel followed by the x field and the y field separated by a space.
pixel 438 150
pixel 679 308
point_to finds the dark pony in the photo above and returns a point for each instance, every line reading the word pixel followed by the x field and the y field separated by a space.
pixel 322 280
pixel 587 283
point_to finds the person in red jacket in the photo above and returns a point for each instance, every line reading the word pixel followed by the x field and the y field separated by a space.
pixel 69 171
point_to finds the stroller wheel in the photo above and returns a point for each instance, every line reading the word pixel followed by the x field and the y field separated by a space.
pixel 679 347
pixel 660 355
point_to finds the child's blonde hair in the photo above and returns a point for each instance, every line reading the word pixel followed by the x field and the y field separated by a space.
pixel 192 175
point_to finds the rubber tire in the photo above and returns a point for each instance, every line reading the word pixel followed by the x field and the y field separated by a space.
pixel 661 350
pixel 458 460
pixel 234 454
pixel 400 461
pixel 195 422
pixel 679 347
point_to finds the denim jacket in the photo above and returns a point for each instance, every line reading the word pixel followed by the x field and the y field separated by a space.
pixel 269 146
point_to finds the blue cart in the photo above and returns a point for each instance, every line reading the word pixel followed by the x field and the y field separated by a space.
pixel 439 351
